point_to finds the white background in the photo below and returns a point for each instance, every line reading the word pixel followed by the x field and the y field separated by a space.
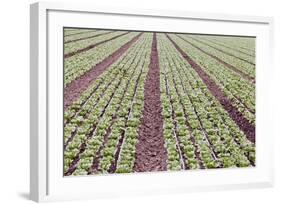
pixel 14 102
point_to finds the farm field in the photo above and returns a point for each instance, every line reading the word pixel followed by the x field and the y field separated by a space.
pixel 151 101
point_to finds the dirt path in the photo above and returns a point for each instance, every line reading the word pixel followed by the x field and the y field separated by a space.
pixel 229 66
pixel 151 154
pixel 236 116
pixel 67 55
pixel 73 90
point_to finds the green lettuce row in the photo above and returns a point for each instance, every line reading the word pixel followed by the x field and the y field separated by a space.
pixel 128 120
pixel 75 46
pixel 75 31
pixel 231 143
pixel 94 143
pixel 208 41
pixel 243 44
pixel 84 35
pixel 94 118
pixel 231 84
pixel 183 130
pixel 81 108
pixel 239 64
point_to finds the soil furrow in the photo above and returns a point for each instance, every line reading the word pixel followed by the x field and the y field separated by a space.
pixel 88 37
pixel 231 67
pixel 67 55
pixel 227 53
pixel 236 116
pixel 150 151
pixel 74 89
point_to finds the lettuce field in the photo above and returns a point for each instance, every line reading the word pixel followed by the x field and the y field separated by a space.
pixel 154 101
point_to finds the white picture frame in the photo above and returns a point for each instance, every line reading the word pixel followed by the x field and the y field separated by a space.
pixel 46 181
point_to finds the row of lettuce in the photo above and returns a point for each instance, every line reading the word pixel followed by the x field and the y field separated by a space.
pixel 111 115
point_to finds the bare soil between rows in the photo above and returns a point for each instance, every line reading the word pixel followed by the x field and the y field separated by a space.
pixel 236 116
pixel 151 154
pixel 74 89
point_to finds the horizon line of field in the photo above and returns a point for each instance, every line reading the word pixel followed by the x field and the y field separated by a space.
pixel 168 32
pixel 201 51
pixel 200 41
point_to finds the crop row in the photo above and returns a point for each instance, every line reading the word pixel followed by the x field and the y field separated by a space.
pixel 229 47
pixel 77 65
pixel 237 89
pixel 244 44
pixel 103 119
pixel 87 35
pixel 83 107
pixel 226 51
pixel 77 45
pixel 204 124
pixel 245 67
pixel 73 32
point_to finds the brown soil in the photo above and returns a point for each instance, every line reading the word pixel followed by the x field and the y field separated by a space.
pixel 67 55
pixel 151 154
pixel 88 37
pixel 236 116
pixel 227 53
pixel 231 67
pixel 73 90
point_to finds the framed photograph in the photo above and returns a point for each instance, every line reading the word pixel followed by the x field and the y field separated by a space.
pixel 127 101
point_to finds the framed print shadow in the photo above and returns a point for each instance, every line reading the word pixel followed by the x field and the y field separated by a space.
pixel 154 101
